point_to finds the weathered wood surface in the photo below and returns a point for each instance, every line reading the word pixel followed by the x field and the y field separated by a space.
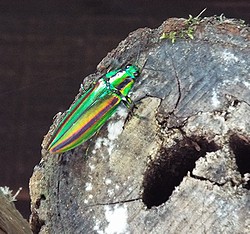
pixel 11 221
pixel 180 163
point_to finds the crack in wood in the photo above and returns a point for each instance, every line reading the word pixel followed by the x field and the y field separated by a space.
pixel 211 181
pixel 178 83
pixel 115 203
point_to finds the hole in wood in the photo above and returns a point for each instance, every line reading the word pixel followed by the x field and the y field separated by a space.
pixel 171 165
pixel 36 223
pixel 38 201
pixel 241 148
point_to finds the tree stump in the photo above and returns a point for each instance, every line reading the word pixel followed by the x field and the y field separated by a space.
pixel 180 162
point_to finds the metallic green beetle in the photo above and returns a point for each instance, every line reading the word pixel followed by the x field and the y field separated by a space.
pixel 90 112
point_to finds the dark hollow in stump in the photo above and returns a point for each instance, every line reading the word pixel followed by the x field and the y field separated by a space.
pixel 180 161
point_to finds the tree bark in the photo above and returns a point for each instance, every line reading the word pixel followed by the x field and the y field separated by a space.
pixel 180 162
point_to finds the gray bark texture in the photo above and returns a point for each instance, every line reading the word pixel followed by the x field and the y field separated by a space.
pixel 179 163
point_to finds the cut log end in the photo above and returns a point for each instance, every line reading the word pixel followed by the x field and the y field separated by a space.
pixel 180 162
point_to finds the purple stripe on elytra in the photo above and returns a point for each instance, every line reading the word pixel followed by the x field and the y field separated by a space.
pixel 123 83
pixel 73 111
pixel 86 126
pixel 76 107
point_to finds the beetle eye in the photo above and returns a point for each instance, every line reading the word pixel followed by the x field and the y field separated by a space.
pixel 128 66
pixel 136 74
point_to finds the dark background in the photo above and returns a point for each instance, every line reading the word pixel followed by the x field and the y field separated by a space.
pixel 48 47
